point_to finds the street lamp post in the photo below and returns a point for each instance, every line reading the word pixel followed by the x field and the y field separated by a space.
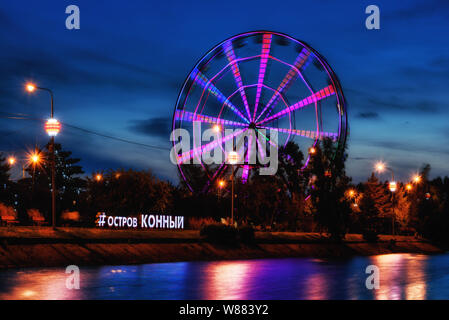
pixel 220 186
pixel 392 186
pixel 233 159
pixel 52 126
pixel 381 167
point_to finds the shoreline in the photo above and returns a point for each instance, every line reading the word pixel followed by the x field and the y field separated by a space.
pixel 22 247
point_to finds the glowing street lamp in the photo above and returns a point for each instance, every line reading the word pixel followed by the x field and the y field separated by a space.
pixel 312 150
pixel 381 167
pixel 11 161
pixel 233 158
pixel 52 127
pixel 417 179
pixel 30 87
pixel 393 186
pixel 351 193
pixel 35 158
pixel 98 177
pixel 408 186
pixel 221 184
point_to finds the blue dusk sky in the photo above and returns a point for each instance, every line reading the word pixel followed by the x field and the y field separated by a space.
pixel 120 74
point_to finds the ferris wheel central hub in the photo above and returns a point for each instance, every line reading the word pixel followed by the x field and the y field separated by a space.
pixel 252 125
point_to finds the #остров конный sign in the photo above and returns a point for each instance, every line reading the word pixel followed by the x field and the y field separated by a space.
pixel 144 221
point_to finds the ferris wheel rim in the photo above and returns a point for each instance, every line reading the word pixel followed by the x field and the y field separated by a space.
pixel 215 50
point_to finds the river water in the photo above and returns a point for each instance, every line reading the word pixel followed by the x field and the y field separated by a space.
pixel 402 276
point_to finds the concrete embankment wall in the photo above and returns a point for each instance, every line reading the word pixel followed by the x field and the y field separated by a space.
pixel 65 246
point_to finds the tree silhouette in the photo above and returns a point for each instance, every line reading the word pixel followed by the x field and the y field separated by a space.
pixel 35 191
pixel 294 181
pixel 370 208
pixel 5 183
pixel 402 207
pixel 330 183
pixel 127 193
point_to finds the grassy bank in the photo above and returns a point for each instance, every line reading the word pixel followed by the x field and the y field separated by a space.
pixel 38 247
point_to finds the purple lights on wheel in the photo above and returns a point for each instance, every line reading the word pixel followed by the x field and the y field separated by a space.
pixel 323 93
pixel 292 74
pixel 189 116
pixel 235 70
pixel 207 84
pixel 266 44
pixel 263 81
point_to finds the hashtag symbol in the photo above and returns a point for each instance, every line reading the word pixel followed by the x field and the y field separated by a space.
pixel 101 219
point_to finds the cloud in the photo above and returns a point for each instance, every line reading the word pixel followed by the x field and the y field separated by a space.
pixel 440 62
pixel 83 68
pixel 360 158
pixel 368 115
pixel 427 73
pixel 421 10
pixel 396 103
pixel 366 102
pixel 156 127
pixel 408 146
pixel 163 78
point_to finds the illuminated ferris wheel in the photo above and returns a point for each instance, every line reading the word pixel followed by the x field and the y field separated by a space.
pixel 259 80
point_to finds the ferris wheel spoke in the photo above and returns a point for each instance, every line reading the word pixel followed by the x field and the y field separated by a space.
pixel 317 96
pixel 217 173
pixel 285 84
pixel 305 133
pixel 230 54
pixel 188 155
pixel 203 81
pixel 245 173
pixel 248 158
pixel 192 117
pixel 266 45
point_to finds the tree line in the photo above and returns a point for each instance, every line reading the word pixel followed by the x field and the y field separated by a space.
pixel 318 198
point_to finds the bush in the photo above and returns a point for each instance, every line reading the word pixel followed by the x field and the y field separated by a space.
pixel 194 223
pixel 370 236
pixel 246 234
pixel 7 212
pixel 220 234
pixel 70 216
pixel 35 216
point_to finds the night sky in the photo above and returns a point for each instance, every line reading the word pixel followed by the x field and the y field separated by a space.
pixel 120 74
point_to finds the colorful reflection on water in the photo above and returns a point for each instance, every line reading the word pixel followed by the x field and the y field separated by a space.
pixel 402 276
